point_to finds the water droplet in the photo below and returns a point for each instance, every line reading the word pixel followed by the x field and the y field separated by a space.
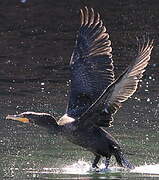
pixel 42 89
pixel 23 1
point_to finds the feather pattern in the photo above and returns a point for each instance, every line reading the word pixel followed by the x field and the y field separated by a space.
pixel 126 85
pixel 100 113
pixel 91 64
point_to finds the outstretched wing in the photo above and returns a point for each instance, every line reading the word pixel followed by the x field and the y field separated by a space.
pixel 91 64
pixel 100 113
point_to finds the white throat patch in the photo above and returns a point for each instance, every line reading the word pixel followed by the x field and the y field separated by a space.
pixel 65 119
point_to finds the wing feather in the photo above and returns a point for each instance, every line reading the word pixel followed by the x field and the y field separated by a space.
pixel 100 113
pixel 127 85
pixel 91 63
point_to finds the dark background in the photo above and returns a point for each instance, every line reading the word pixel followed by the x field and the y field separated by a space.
pixel 37 37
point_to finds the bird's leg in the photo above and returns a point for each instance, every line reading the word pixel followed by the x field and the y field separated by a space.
pixel 107 162
pixel 96 160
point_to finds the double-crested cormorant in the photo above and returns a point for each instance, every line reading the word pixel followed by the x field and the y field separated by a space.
pixel 94 96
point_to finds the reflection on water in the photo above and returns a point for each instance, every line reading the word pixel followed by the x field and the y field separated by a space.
pixel 36 43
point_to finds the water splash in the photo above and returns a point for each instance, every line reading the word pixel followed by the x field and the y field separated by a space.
pixel 80 167
pixel 83 168
pixel 147 169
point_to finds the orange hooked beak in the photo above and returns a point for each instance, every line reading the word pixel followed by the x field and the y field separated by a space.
pixel 18 118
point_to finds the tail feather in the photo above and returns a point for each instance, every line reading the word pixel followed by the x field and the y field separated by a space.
pixel 122 160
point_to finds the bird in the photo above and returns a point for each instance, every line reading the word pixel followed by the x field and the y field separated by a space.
pixel 95 94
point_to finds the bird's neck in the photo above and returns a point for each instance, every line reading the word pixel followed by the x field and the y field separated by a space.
pixel 65 119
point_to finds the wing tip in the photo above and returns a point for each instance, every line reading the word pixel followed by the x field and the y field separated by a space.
pixel 88 16
pixel 82 17
pixel 145 43
pixel 93 25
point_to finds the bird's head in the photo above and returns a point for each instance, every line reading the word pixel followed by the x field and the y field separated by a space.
pixel 40 119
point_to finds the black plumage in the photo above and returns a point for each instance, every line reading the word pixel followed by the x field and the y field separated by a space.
pixel 91 64
pixel 94 94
